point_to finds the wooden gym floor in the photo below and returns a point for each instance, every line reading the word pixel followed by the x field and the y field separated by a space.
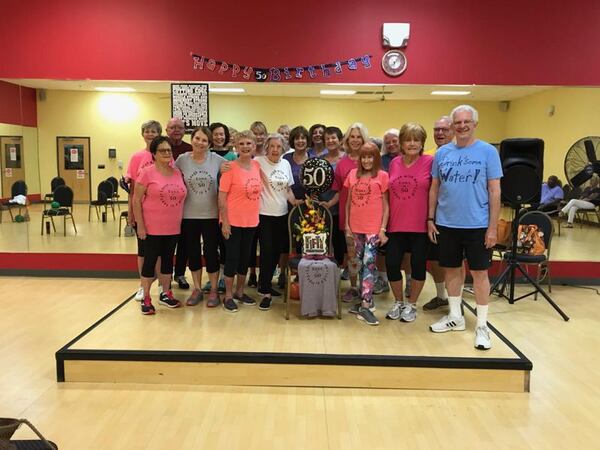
pixel 41 315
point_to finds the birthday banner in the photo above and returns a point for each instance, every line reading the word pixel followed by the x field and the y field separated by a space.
pixel 276 74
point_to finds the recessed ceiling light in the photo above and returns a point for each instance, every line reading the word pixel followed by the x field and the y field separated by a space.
pixel 450 92
pixel 115 89
pixel 336 92
pixel 216 89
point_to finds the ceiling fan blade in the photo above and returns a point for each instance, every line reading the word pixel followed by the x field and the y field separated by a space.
pixel 583 176
pixel 590 150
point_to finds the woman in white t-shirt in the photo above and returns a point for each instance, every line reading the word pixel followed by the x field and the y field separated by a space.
pixel 272 234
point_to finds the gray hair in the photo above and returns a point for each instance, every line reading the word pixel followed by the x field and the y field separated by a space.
pixel 152 124
pixel 445 119
pixel 468 108
pixel 274 136
pixel 393 132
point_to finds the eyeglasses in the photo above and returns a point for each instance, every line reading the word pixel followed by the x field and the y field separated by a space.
pixel 462 122
pixel 164 150
pixel 441 130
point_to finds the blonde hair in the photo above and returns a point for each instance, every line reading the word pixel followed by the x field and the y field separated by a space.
pixel 246 134
pixel 363 133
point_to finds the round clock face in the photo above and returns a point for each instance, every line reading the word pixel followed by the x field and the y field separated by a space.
pixel 394 63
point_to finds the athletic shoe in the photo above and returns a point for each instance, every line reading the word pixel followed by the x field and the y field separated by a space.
pixel 275 293
pixel 139 295
pixel 568 225
pixel 351 295
pixel 409 314
pixel 206 287
pixel 252 281
pixel 168 300
pixel 355 309
pixel 220 286
pixel 182 282
pixel 380 286
pixel 407 289
pixel 230 305
pixel 195 298
pixel 281 281
pixel 367 316
pixel 345 274
pixel 435 303
pixel 213 301
pixel 482 338
pixel 147 307
pixel 245 299
pixel 265 304
pixel 448 323
pixel 395 311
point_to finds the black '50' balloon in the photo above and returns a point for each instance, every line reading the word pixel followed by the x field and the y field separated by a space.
pixel 316 175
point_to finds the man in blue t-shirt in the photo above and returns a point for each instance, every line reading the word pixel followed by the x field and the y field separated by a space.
pixel 464 205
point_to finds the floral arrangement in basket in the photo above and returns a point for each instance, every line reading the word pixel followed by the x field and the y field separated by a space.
pixel 312 229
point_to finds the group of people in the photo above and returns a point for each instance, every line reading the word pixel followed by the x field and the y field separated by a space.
pixel 395 208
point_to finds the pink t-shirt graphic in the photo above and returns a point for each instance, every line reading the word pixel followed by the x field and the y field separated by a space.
pixel 162 205
pixel 409 195
pixel 366 207
pixel 244 188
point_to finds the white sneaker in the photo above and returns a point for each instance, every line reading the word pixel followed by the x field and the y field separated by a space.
pixel 448 323
pixel 482 338
pixel 395 310
pixel 409 314
pixel 139 295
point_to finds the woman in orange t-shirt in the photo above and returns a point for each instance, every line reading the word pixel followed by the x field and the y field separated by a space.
pixel 239 203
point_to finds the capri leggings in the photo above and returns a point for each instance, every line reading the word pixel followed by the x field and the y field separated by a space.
pixel 238 250
pixel 208 230
pixel 155 246
pixel 417 244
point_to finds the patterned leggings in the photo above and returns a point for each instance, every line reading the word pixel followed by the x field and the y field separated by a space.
pixel 366 252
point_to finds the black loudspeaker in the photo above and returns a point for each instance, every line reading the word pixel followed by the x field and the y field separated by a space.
pixel 523 168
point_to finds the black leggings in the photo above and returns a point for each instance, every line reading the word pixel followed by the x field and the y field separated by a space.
pixel 417 244
pixel 155 246
pixel 238 250
pixel 338 241
pixel 181 257
pixel 192 231
pixel 273 236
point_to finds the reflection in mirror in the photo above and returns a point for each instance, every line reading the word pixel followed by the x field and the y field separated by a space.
pixel 110 123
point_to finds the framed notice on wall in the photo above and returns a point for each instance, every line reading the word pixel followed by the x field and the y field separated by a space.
pixel 189 102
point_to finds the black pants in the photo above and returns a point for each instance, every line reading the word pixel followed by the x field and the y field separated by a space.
pixel 238 250
pixel 399 244
pixel 338 240
pixel 273 236
pixel 155 246
pixel 182 256
pixel 208 230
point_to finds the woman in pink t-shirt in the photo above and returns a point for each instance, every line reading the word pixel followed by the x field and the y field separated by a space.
pixel 366 218
pixel 158 208
pixel 239 203
pixel 356 136
pixel 410 179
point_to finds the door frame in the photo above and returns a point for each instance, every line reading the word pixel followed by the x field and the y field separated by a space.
pixel 7 194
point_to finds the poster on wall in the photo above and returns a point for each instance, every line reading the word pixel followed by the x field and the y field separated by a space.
pixel 8 173
pixel 13 153
pixel 74 155
pixel 80 174
pixel 189 102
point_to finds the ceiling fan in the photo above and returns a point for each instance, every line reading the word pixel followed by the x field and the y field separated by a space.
pixel 380 93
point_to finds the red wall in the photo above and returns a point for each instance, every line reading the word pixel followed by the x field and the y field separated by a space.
pixel 17 106
pixel 466 42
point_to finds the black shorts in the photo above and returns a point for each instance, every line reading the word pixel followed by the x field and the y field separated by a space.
pixel 470 242
pixel 434 252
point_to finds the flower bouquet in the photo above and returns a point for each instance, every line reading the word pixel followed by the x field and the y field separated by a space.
pixel 312 229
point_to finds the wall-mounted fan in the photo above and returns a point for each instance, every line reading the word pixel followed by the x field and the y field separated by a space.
pixel 581 161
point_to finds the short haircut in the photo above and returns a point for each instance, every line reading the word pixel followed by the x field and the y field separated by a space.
pixel 297 131
pixel 283 128
pixel 312 129
pixel 369 149
pixel 246 134
pixel 336 131
pixel 468 108
pixel 213 126
pixel 392 132
pixel 275 136
pixel 258 126
pixel 363 132
pixel 149 124
pixel 156 142
pixel 415 131
pixel 205 130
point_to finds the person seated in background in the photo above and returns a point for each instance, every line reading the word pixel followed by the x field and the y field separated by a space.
pixel 590 198
pixel 552 194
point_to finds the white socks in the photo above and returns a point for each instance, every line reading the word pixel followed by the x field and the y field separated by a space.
pixel 441 290
pixel 454 303
pixel 482 313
